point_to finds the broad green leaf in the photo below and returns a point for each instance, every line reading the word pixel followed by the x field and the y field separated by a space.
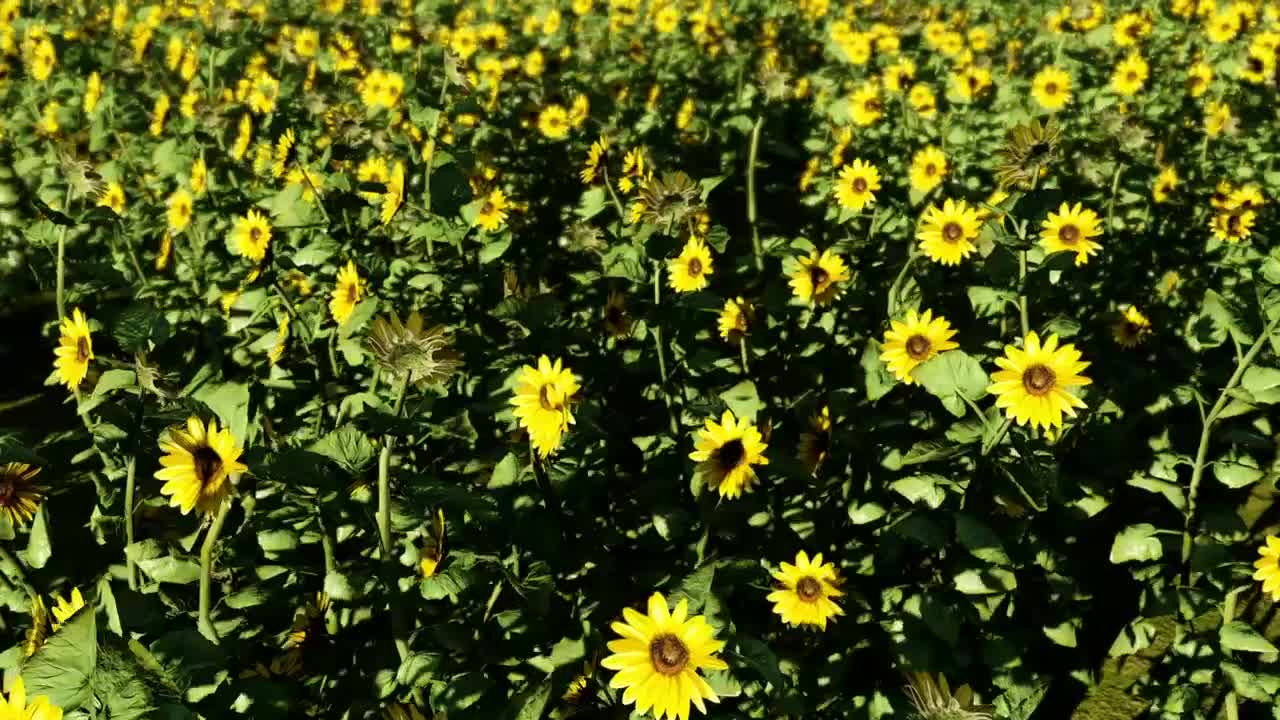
pixel 63 667
pixel 39 546
pixel 531 704
pixel 348 447
pixel 980 540
pixel 985 582
pixel 1136 543
pixel 114 379
pixel 505 472
pixel 921 488
pixel 743 400
pixel 169 569
pixel 1020 701
pixel 953 377
pixel 1254 686
pixel 1237 635
pixel 1237 472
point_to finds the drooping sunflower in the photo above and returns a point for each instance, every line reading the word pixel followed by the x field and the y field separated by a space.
pixel 180 210
pixel 815 278
pixel 63 609
pixel 1071 229
pixel 1233 226
pixel 1131 328
pixel 75 350
pixel 347 293
pixel 493 213
pixel 725 452
pixel 284 153
pixel 928 167
pixel 542 402
pixel 251 235
pixel 914 340
pixel 198 465
pixel 1268 567
pixel 859 180
pixel 806 592
pixel 1130 75
pixel 16 706
pixel 689 271
pixel 658 656
pixel 1034 381
pixel 282 339
pixel 20 497
pixel 946 234
pixel 735 319
pixel 1051 88
pixel 408 351
pixel 816 441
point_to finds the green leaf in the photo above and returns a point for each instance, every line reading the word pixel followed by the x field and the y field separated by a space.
pixel 63 666
pixel 1171 491
pixel 1237 635
pixel 863 513
pixel 980 540
pixel 348 447
pixel 1020 701
pixel 761 659
pixel 921 488
pixel 1063 634
pixel 531 704
pixel 1263 384
pixel 39 547
pixel 114 379
pixel 989 301
pixel 1226 314
pixel 169 569
pixel 495 248
pixel 877 379
pixel 505 472
pixel 743 400
pixel 952 377
pixel 230 402
pixel 418 669
pixel 1253 686
pixel 985 582
pixel 1136 543
pixel 139 326
pixel 274 541
pixel 1237 472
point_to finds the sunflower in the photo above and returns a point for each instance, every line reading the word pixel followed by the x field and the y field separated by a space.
pixel 20 498
pixel 1217 118
pixel 394 196
pixel 946 235
pixel 923 100
pixel 542 403
pixel 689 271
pixel 1131 328
pixel 251 236
pixel 64 609
pixel 1130 75
pixel 198 465
pixel 1166 183
pixel 815 278
pixel 578 690
pixel 1199 76
pixel 725 452
pixel 816 441
pixel 1221 197
pixel 284 153
pixel 1051 88
pixel 493 213
pixel 1268 567
pixel 74 351
pixel 616 321
pixel 1071 229
pixel 1233 226
pixel 16 707
pixel 658 656
pixel 928 167
pixel 866 107
pixel 1245 197
pixel 858 182
pixel 282 338
pixel 1034 381
pixel 913 341
pixel 805 597
pixel 591 168
pixel 971 82
pixel 432 551
pixel 346 293
pixel 553 122
pixel 308 622
pixel 199 176
pixel 735 319
pixel 113 197
pixel 180 210
pixel 411 353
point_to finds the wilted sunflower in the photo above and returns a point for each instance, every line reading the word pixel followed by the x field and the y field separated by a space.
pixel 725 453
pixel 671 201
pixel 1028 149
pixel 20 498
pixel 401 711
pixel 1071 229
pixel 74 351
pixel 346 293
pixel 913 341
pixel 1268 567
pixel 198 466
pixel 933 699
pixel 578 692
pixel 542 403
pixel 806 592
pixel 16 706
pixel 1034 381
pixel 689 271
pixel 859 180
pixel 64 609
pixel 616 321
pixel 816 277
pixel 406 352
pixel 1131 328
pixel 928 167
pixel 1232 226
pixel 658 657
pixel 735 319
pixel 815 442
pixel 1051 88
pixel 946 234
pixel 251 236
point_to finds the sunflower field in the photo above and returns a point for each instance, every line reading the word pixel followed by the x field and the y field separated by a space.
pixel 521 359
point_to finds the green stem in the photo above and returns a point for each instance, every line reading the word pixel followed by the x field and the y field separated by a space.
pixel 60 275
pixel 398 629
pixel 1022 294
pixel 617 204
pixel 742 350
pixel 293 311
pixel 205 623
pixel 1000 433
pixel 751 192
pixel 1206 430
pixel 1111 203
pixel 427 162
pixel 130 471
pixel 658 345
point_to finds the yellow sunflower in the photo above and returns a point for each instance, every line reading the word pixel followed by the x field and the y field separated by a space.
pixel 553 122
pixel 866 107
pixel 1199 77
pixel 806 592
pixel 1131 328
pixel 1130 75
pixel 20 498
pixel 394 196
pixel 928 167
pixel 598 153
pixel 74 351
pixel 64 609
pixel 815 278
pixel 735 319
pixel 432 551
pixel 913 341
pixel 493 213
pixel 1268 567
pixel 1071 229
pixel 113 197
pixel 1233 226
pixel 251 236
pixel 1217 118
pixel 1051 88
pixel 816 441
pixel 16 707
pixel 541 402
pixel 283 153
pixel 180 210
pixel 346 293
pixel 658 657
pixel 858 182
pixel 1166 183
pixel 689 271
pixel 1034 381
pixel 725 452
pixel 946 234
pixel 198 465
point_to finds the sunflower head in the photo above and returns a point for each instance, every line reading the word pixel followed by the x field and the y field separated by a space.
pixel 806 591
pixel 406 351
pixel 725 453
pixel 670 201
pixel 1131 328
pixel 689 271
pixel 817 278
pixel 815 442
pixel 933 699
pixel 913 340
pixel 1029 148
pixel 543 402
pixel 20 496
pixel 734 322
pixel 616 321
pixel 200 465
pixel 1034 383
pixel 74 351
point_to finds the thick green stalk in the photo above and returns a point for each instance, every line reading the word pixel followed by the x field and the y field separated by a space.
pixel 756 247
pixel 399 630
pixel 658 344
pixel 205 623
pixel 1022 294
pixel 129 471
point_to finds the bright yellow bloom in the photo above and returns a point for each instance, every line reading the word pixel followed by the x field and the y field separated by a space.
pixel 199 176
pixel 92 92
pixel 1034 381
pixel 1131 328
pixel 542 403
pixel 1166 183
pixel 806 592
pixel 923 100
pixel 928 167
pixel 283 153
pixel 725 453
pixel 244 135
pixel 39 630
pixel 1130 75
pixel 16 707
pixel 1268 567
pixel 74 351
pixel 689 271
pixel 914 340
pixel 1217 118
pixel 816 277
pixel 1071 229
pixel 20 497
pixel 858 183
pixel 251 236
pixel 1199 76
pixel 970 83
pixel 735 319
pixel 198 466
pixel 1233 226
pixel 180 210
pixel 158 114
pixel 493 213
pixel 591 168
pixel 946 234
pixel 64 609
pixel 866 107
pixel 346 293
pixel 658 657
pixel 553 122
pixel 1051 88
pixel 394 196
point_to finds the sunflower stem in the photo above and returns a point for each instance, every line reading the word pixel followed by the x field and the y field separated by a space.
pixel 293 311
pixel 431 141
pixel 742 350
pixel 752 152
pixel 205 623
pixel 1206 431
pixel 129 472
pixel 617 204
pixel 657 343
pixel 1022 294
pixel 1111 203
pixel 60 274
pixel 398 630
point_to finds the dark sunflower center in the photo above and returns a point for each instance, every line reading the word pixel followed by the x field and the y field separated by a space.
pixel 352 293
pixel 8 488
pixel 1069 234
pixel 668 655
pixel 544 398
pixel 1233 224
pixel 695 267
pixel 873 106
pixel 918 347
pixel 1132 76
pixel 613 315
pixel 207 462
pixel 859 185
pixel 951 232
pixel 731 454
pixel 82 349
pixel 808 589
pixel 1255 64
pixel 1051 88
pixel 255 234
pixel 930 169
pixel 818 276
pixel 1038 380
